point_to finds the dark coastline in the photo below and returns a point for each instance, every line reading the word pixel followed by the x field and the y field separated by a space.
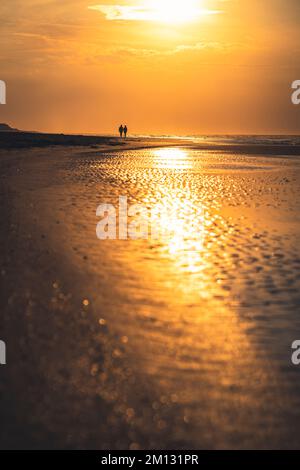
pixel 26 140
pixel 13 140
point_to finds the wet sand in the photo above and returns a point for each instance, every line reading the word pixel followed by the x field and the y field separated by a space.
pixel 180 343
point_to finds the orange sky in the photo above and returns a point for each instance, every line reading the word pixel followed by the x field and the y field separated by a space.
pixel 70 68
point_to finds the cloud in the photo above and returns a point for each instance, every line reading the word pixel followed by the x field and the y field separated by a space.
pixel 199 46
pixel 144 13
pixel 118 12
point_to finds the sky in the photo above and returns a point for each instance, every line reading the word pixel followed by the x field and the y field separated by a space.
pixel 198 67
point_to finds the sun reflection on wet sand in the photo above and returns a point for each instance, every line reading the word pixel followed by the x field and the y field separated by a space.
pixel 195 346
pixel 192 312
pixel 176 158
pixel 179 228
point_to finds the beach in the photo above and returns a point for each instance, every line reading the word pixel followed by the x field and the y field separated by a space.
pixel 179 343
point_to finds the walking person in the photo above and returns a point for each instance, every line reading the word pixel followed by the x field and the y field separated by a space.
pixel 125 130
pixel 121 130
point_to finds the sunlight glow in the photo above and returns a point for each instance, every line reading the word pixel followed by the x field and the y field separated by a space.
pixel 164 11
pixel 175 158
pixel 181 222
pixel 174 11
pixel 181 229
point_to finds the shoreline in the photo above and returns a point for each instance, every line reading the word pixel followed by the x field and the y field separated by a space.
pixel 28 140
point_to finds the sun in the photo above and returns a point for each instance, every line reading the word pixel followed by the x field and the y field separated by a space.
pixel 174 11
pixel 162 11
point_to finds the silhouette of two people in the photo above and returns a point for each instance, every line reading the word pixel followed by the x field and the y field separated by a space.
pixel 123 131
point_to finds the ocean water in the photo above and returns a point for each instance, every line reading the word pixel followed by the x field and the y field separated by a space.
pixel 237 139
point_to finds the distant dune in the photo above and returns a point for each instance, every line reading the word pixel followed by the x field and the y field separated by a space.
pixel 11 138
pixel 7 128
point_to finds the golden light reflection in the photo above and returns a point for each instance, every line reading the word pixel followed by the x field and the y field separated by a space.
pixel 185 230
pixel 172 158
pixel 184 224
pixel 179 221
